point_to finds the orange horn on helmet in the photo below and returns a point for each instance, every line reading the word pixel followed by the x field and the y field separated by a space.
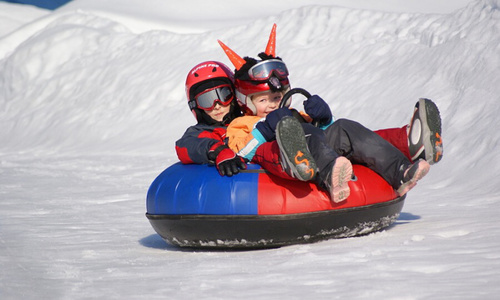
pixel 233 57
pixel 271 44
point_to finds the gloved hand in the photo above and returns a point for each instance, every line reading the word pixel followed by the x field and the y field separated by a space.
pixel 267 127
pixel 318 110
pixel 226 161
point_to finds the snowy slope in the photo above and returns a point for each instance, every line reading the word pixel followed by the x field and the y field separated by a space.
pixel 13 16
pixel 92 101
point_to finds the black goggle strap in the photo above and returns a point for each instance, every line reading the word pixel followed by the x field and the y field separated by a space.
pixel 192 104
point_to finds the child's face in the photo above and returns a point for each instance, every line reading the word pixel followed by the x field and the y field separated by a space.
pixel 218 112
pixel 266 102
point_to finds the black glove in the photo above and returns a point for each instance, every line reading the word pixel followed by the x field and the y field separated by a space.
pixel 318 110
pixel 226 161
pixel 267 127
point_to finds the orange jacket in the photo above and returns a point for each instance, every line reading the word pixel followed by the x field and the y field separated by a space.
pixel 242 136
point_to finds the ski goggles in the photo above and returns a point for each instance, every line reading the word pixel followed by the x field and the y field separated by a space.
pixel 206 100
pixel 265 69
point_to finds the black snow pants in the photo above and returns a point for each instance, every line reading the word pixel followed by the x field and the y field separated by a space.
pixel 358 144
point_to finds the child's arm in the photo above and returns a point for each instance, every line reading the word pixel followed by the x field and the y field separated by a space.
pixel 267 127
pixel 242 138
pixel 195 144
pixel 246 134
pixel 319 111
pixel 227 162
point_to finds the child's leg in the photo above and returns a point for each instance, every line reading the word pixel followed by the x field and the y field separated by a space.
pixel 334 171
pixel 398 137
pixel 363 146
pixel 422 137
pixel 323 154
pixel 268 157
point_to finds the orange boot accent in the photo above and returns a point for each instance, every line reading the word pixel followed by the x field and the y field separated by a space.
pixel 305 162
pixel 439 143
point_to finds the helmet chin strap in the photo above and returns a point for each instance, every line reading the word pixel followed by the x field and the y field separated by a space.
pixel 227 119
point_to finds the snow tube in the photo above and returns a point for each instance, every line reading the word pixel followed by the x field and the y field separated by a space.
pixel 193 206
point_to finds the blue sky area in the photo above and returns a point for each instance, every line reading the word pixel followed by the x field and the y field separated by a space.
pixel 48 4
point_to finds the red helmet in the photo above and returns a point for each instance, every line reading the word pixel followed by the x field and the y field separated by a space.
pixel 252 76
pixel 207 75
pixel 246 86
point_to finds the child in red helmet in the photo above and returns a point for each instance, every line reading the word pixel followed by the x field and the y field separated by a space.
pixel 210 94
pixel 268 79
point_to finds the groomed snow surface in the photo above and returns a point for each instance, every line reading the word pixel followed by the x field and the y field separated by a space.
pixel 92 101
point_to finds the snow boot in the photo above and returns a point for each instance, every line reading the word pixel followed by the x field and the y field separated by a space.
pixel 424 134
pixel 412 174
pixel 295 158
pixel 340 176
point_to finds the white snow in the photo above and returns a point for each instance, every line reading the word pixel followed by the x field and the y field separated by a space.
pixel 92 101
pixel 13 16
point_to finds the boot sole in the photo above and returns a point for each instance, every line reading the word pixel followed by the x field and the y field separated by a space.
pixel 293 148
pixel 430 121
pixel 341 175
pixel 433 124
